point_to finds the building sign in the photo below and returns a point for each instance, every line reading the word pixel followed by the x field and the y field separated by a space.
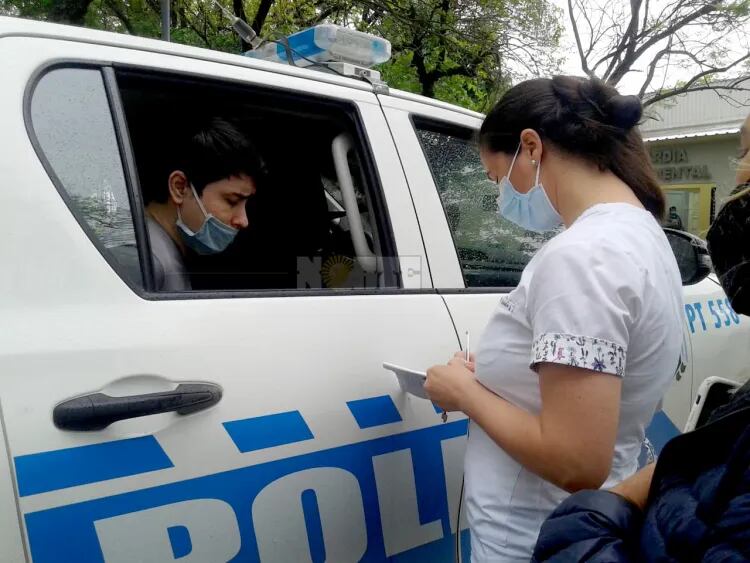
pixel 673 165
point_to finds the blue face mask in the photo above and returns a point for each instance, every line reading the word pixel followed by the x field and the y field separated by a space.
pixel 533 210
pixel 213 236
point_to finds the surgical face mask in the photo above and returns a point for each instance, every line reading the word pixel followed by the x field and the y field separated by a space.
pixel 729 246
pixel 213 236
pixel 533 210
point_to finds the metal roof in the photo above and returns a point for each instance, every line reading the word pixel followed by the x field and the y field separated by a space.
pixel 704 113
pixel 692 134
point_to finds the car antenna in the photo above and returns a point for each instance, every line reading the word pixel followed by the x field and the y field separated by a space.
pixel 241 28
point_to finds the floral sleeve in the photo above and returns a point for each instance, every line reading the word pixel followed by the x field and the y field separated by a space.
pixel 579 351
pixel 582 299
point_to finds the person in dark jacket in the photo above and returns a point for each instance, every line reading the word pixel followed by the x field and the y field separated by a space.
pixel 694 503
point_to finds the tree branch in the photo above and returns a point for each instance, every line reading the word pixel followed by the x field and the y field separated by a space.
pixel 239 10
pixel 670 93
pixel 120 14
pixel 577 35
pixel 627 42
pixel 652 68
pixel 624 66
pixel 689 85
pixel 260 16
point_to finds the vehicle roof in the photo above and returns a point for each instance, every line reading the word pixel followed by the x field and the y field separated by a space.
pixel 21 27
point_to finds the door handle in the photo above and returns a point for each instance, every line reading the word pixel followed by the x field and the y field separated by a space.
pixel 97 410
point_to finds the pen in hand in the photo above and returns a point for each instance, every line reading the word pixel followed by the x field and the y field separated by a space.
pixel 467 347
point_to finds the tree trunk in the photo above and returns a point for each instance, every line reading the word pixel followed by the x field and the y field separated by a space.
pixel 428 86
pixel 427 79
pixel 261 15
pixel 121 15
pixel 239 10
pixel 69 11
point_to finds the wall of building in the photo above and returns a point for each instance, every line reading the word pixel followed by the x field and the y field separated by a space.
pixel 697 161
pixel 688 168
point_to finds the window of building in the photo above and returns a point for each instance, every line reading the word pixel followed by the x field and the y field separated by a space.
pixel 491 250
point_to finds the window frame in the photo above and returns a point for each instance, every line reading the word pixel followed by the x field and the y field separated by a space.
pixel 422 123
pixel 31 87
pixel 108 71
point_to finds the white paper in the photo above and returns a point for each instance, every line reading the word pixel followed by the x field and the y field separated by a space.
pixel 410 381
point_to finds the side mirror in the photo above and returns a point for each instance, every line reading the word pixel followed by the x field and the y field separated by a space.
pixel 692 256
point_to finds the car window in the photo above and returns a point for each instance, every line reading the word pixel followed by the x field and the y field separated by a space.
pixel 71 119
pixel 336 198
pixel 297 236
pixel 491 250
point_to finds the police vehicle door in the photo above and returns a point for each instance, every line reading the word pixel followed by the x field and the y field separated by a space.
pixel 456 206
pixel 284 440
pixel 474 255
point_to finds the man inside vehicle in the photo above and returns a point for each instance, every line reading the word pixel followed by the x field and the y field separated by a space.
pixel 200 206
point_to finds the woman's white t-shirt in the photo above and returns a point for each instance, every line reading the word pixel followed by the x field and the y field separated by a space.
pixel 606 295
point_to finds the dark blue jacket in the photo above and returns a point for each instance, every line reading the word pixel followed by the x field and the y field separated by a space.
pixel 698 507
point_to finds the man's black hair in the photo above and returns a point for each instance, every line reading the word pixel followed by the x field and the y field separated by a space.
pixel 215 150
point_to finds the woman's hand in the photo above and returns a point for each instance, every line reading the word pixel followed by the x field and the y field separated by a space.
pixel 636 488
pixel 462 356
pixel 448 385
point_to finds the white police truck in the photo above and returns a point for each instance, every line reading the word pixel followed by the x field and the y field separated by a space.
pixel 250 419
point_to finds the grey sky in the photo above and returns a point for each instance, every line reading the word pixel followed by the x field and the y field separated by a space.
pixel 632 82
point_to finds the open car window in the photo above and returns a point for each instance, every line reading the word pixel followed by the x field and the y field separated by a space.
pixel 298 237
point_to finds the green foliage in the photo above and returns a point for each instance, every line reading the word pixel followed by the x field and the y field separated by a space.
pixel 462 91
pixel 459 51
pixel 399 73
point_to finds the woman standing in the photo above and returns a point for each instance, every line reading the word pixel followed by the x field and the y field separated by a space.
pixel 575 360
pixel 694 503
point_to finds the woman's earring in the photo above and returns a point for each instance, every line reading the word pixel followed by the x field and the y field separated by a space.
pixel 533 162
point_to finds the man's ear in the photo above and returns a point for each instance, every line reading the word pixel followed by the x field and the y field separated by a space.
pixel 531 144
pixel 178 187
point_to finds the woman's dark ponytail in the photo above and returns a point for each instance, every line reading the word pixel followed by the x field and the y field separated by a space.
pixel 583 117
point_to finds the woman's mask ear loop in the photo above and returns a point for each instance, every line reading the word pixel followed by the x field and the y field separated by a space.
pixel 513 162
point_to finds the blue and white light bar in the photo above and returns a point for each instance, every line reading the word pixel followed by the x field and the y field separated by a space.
pixel 328 43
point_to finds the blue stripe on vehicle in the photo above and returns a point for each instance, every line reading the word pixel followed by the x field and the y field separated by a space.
pixel 268 431
pixel 179 538
pixel 68 532
pixel 661 430
pixel 374 411
pixel 314 526
pixel 465 545
pixel 60 469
